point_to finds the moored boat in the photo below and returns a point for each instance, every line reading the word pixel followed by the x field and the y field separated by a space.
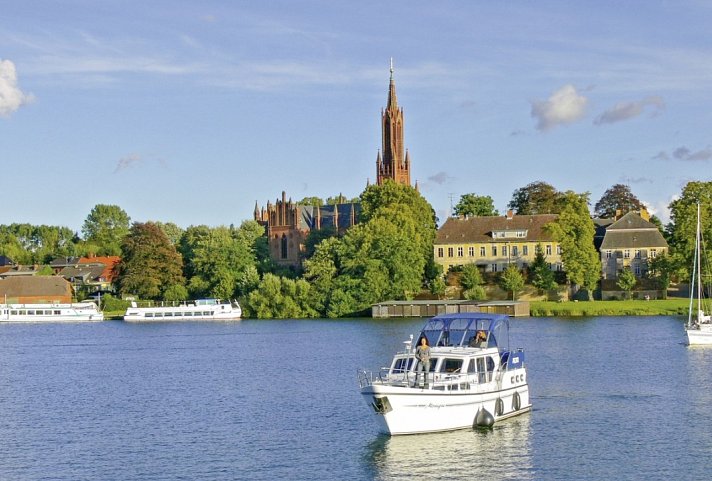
pixel 75 312
pixel 474 379
pixel 198 310
pixel 699 320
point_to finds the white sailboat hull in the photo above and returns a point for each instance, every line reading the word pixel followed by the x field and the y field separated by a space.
pixel 699 336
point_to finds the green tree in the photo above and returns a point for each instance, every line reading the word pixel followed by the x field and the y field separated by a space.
pixel 315 201
pixel 540 275
pixel 437 287
pixel 617 199
pixel 683 223
pixel 626 282
pixel 470 277
pixel 512 280
pixel 280 297
pixel 175 292
pixel 574 230
pixel 663 268
pixel 475 205
pixel 149 263
pixel 172 231
pixel 536 198
pixel 105 227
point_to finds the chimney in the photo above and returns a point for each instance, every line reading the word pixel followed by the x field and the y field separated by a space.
pixel 510 214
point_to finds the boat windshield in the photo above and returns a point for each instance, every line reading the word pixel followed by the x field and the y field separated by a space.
pixel 461 330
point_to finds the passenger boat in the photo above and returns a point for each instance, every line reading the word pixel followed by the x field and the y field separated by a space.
pixel 199 310
pixel 469 384
pixel 699 321
pixel 75 312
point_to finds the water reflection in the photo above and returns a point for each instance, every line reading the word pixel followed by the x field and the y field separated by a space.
pixel 504 452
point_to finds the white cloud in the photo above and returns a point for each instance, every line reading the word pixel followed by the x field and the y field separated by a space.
pixel 11 97
pixel 628 110
pixel 565 106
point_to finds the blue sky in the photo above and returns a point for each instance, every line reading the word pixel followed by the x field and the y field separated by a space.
pixel 189 112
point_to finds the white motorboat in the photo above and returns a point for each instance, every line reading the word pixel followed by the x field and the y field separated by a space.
pixel 199 310
pixel 469 384
pixel 699 321
pixel 75 312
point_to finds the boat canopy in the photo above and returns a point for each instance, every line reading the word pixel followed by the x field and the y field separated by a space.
pixel 461 330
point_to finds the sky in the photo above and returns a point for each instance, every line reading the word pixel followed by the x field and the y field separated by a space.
pixel 192 111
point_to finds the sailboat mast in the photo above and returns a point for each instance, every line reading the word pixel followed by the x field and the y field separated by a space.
pixel 698 241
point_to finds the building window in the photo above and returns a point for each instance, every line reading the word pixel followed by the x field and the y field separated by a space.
pixel 609 254
pixel 483 252
pixel 504 250
pixel 637 270
pixel 494 267
pixel 637 253
pixel 515 251
pixel 494 250
pixel 626 254
pixel 460 252
pixel 548 249
pixel 441 252
pixel 471 251
pixel 525 250
pixel 283 247
pixel 450 252
pixel 558 250
pixel 653 253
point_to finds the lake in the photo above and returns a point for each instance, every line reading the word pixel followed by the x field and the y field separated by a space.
pixel 613 398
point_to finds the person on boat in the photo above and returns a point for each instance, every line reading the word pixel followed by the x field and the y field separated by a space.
pixel 480 339
pixel 422 354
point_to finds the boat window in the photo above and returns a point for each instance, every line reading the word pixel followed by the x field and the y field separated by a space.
pixel 206 313
pixel 56 313
pixel 167 314
pixel 30 313
pixel 176 314
pixel 149 314
pixel 490 363
pixel 433 363
pixel 403 364
pixel 471 366
pixel 188 313
pixel 451 365
pixel 14 313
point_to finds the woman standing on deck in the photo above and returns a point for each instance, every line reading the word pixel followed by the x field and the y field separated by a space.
pixel 422 354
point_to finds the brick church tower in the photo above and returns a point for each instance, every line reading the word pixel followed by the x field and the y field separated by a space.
pixel 395 163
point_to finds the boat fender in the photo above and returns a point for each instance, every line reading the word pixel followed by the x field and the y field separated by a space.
pixel 483 419
pixel 516 402
pixel 499 407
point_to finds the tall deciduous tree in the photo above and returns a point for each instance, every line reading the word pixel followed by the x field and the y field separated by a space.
pixel 150 264
pixel 574 230
pixel 617 199
pixel 105 228
pixel 536 198
pixel 475 205
pixel 683 222
pixel 626 282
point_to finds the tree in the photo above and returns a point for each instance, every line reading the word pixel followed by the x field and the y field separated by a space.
pixel 536 198
pixel 512 280
pixel 617 200
pixel 574 230
pixel 626 281
pixel 475 205
pixel 315 201
pixel 149 263
pixel 280 297
pixel 470 277
pixel 540 275
pixel 105 227
pixel 172 231
pixel 437 287
pixel 663 268
pixel 683 223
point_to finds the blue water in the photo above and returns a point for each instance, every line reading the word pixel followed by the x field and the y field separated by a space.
pixel 614 398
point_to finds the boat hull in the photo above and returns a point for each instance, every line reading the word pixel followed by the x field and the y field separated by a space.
pixel 701 336
pixel 405 410
pixel 41 313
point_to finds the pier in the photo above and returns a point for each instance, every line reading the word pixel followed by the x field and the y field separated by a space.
pixel 429 308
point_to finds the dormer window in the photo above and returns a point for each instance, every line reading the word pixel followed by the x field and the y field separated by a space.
pixel 509 234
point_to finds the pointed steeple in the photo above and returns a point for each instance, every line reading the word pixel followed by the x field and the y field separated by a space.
pixel 393 164
pixel 392 98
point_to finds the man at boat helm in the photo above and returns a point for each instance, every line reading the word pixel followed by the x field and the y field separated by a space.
pixel 422 354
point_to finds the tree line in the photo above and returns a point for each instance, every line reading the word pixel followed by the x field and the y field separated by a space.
pixel 387 255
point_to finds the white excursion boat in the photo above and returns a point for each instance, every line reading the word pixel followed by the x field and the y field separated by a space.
pixel 75 312
pixel 199 310
pixel 470 383
pixel 699 321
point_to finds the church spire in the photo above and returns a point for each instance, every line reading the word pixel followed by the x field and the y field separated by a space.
pixel 395 163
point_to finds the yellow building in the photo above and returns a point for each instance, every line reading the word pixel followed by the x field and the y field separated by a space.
pixel 495 242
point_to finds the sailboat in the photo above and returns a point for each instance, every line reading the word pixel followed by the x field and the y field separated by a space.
pixel 699 318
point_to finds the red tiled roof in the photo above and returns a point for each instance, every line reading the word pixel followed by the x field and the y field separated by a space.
pixel 108 261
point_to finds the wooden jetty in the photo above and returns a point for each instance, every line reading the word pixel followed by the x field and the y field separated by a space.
pixel 429 308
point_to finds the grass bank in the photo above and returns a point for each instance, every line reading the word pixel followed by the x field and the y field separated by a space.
pixel 667 307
